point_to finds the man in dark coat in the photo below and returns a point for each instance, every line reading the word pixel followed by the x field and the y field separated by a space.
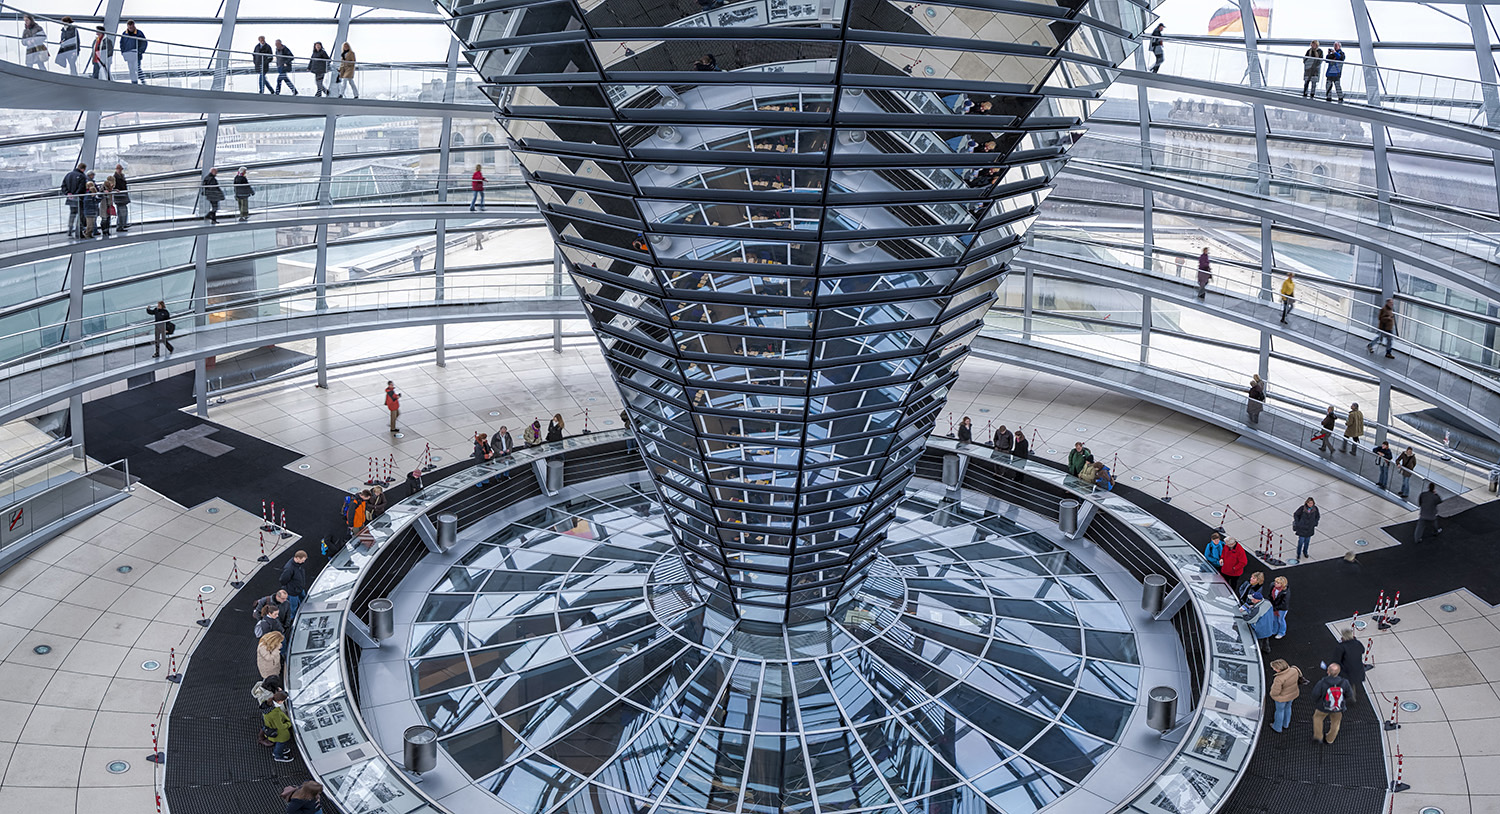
pixel 284 68
pixel 74 184
pixel 1331 696
pixel 261 56
pixel 294 582
pixel 213 194
pixel 1427 512
pixel 1349 655
pixel 1021 450
pixel 317 65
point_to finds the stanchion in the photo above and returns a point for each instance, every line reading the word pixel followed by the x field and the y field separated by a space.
pixel 234 573
pixel 586 429
pixel 265 519
pixel 370 471
pixel 952 431
pixel 283 533
pixel 1390 615
pixel 390 470
pixel 158 804
pixel 1167 498
pixel 1392 723
pixel 1369 654
pixel 172 674
pixel 1396 785
pixel 157 756
pixel 427 465
pixel 202 613
pixel 1354 623
pixel 262 557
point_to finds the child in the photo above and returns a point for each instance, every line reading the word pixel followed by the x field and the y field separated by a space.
pixel 89 203
pixel 278 727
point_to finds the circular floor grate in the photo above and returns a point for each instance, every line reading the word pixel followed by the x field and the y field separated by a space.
pixel 150 665
pixel 124 569
pixel 42 649
pixel 1410 706
pixel 117 767
pixel 1445 608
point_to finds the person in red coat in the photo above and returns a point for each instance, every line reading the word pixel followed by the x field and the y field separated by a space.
pixel 476 183
pixel 1233 562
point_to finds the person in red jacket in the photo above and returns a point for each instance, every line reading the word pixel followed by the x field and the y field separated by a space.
pixel 1233 562
pixel 477 184
pixel 393 404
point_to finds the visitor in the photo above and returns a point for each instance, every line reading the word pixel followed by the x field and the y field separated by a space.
pixel 1286 685
pixel 1288 296
pixel 1334 74
pixel 413 481
pixel 345 77
pixel 133 47
pixel 106 205
pixel 1354 430
pixel 294 582
pixel 74 185
pixel 1256 584
pixel 483 452
pixel 532 436
pixel 1312 58
pixel 88 208
pixel 392 404
pixel 278 727
pixel 1349 655
pixel 284 68
pixel 1020 451
pixel 1427 513
pixel 160 332
pixel 242 192
pixel 1077 458
pixel 1090 471
pixel 1383 459
pixel 1257 398
pixel 1280 597
pixel 122 198
pixel 1331 696
pixel 1205 273
pixel 268 654
pixel 1158 47
pixel 261 57
pixel 213 194
pixel 317 65
pixel 68 46
pixel 265 603
pixel 34 40
pixel 503 444
pixel 1213 550
pixel 416 258
pixel 1004 441
pixel 476 185
pixel 101 53
pixel 1232 562
pixel 270 618
pixel 965 431
pixel 1330 420
pixel 375 505
pixel 1385 332
pixel 1304 523
pixel 555 428
pixel 1262 619
pixel 1407 463
pixel 304 799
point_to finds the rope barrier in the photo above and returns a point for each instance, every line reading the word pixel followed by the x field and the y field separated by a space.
pixel 283 533
pixel 234 573
pixel 263 557
pixel 265 519
pixel 425 463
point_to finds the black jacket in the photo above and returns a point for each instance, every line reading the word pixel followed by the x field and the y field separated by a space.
pixel 68 40
pixel 75 183
pixel 283 59
pixel 262 57
pixel 294 578
pixel 1350 657
pixel 269 625
pixel 965 434
pixel 1427 505
pixel 242 188
pixel 1022 449
pixel 1004 441
pixel 317 63
pixel 161 314
pixel 1320 692
pixel 295 806
pixel 1305 520
pixel 211 189
pixel 554 432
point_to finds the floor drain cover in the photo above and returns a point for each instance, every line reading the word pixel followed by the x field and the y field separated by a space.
pixel 1080 429
pixel 1359 624
pixel 150 665
pixel 1430 810
pixel 117 767
pixel 984 409
pixel 1176 457
pixel 42 649
pixel 1270 493
pixel 211 510
pixel 1218 514
pixel 1135 477
pixel 1051 452
pixel 1410 706
pixel 400 435
pixel 1361 542
pixel 304 466
pixel 1448 608
pixel 494 413
pixel 436 458
pixel 124 569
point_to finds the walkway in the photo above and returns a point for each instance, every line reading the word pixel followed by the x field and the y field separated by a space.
pixel 1473 393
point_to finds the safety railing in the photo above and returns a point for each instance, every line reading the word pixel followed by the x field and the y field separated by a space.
pixel 1353 312
pixel 1446 98
pixel 53 344
pixel 1206 387
pixel 44 219
pixel 192 67
pixel 41 491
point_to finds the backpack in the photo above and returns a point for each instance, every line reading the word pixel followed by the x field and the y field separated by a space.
pixel 1334 699
pixel 344 511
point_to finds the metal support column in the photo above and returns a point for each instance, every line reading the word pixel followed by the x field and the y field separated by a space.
pixel 1145 329
pixel 557 286
pixel 1377 139
pixel 1026 305
pixel 229 15
pixel 200 268
pixel 1383 410
pixel 1264 363
pixel 1143 116
pixel 1478 23
pixel 445 164
pixel 75 426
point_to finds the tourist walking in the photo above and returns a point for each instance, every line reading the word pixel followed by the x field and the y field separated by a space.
pixel 1158 47
pixel 1232 562
pixel 122 198
pixel 69 43
pixel 1354 430
pixel 416 258
pixel 1288 296
pixel 1427 513
pixel 1349 655
pixel 1383 459
pixel 1312 59
pixel 317 65
pixel 1256 402
pixel 476 184
pixel 1304 523
pixel 73 187
pixel 1331 696
pixel 213 194
pixel 133 47
pixel 260 56
pixel 1286 685
pixel 101 53
pixel 393 404
pixel 284 68
pixel 1385 329
pixel 1330 420
pixel 1407 463
pixel 242 192
pixel 88 207
pixel 34 40
pixel 1334 74
pixel 1205 273
pixel 160 335
pixel 345 78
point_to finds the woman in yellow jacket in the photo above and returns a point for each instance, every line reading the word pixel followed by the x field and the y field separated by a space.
pixel 1288 296
pixel 1285 687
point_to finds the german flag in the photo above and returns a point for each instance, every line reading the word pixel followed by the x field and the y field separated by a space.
pixel 1227 19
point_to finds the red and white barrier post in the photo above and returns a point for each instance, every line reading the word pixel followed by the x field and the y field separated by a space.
pixel 283 533
pixel 1392 723
pixel 157 756
pixel 265 518
pixel 172 674
pixel 1369 654
pixel 370 472
pixel 234 573
pixel 427 465
pixel 202 613
pixel 262 557
pixel 1396 785
pixel 1167 498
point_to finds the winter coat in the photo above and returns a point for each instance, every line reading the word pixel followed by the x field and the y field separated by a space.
pixel 67 42
pixel 346 64
pixel 533 435
pixel 1335 63
pixel 133 42
pixel 1407 461
pixel 268 625
pixel 1233 561
pixel 1330 421
pixel 294 578
pixel 35 40
pixel 269 664
pixel 121 185
pixel 283 59
pixel 276 719
pixel 1280 601
pixel 103 50
pixel 1321 693
pixel 476 181
pixel 161 314
pixel 75 183
pixel 1311 59
pixel 211 189
pixel 1022 448
pixel 554 432
pixel 89 202
pixel 1213 551
pixel 1004 441
pixel 242 188
pixel 296 806
pixel 1387 319
pixel 317 62
pixel 482 451
pixel 1262 620
pixel 1305 520
pixel 965 434
pixel 1076 460
pixel 1090 472
pixel 504 444
pixel 261 57
pixel 1354 424
pixel 1257 391
pixel 1427 505
pixel 1285 686
pixel 1350 657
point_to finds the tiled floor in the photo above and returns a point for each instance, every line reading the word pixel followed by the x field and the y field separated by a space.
pixel 1448 662
pixel 68 713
